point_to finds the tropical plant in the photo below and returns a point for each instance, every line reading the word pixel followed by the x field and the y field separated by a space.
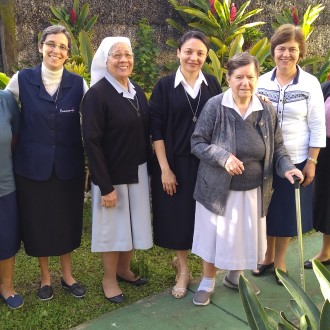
pixel 290 15
pixel 80 29
pixel 308 316
pixel 79 69
pixel 146 69
pixel 225 25
pixel 4 80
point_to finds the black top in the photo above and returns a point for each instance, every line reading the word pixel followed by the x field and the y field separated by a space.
pixel 116 135
pixel 163 104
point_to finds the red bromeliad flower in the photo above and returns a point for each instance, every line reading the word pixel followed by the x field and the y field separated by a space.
pixel 73 16
pixel 328 77
pixel 213 11
pixel 233 12
pixel 294 14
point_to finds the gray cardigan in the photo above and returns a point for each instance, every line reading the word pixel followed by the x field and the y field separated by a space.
pixel 214 140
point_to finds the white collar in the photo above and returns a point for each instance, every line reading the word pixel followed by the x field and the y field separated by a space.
pixel 193 92
pixel 130 94
pixel 228 101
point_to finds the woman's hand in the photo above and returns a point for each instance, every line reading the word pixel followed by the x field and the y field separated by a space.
pixel 289 175
pixel 109 200
pixel 309 173
pixel 169 181
pixel 264 98
pixel 234 166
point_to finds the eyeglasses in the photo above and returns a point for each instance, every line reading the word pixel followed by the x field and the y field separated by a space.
pixel 118 56
pixel 52 45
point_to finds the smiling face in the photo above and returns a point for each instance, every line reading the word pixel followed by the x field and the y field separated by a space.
pixel 243 82
pixel 120 62
pixel 286 56
pixel 192 56
pixel 54 57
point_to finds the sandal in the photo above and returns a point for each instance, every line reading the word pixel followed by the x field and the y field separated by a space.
pixel 261 269
pixel 175 266
pixel 178 292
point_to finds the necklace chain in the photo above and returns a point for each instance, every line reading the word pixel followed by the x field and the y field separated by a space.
pixel 194 119
pixel 136 108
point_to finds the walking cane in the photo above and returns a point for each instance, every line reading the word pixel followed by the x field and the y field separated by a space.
pixel 299 229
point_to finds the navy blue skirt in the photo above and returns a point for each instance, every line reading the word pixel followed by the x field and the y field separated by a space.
pixel 10 236
pixel 321 201
pixel 281 217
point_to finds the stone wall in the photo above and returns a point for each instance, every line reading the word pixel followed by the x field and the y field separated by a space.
pixel 120 17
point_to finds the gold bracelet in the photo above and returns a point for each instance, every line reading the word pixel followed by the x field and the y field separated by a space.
pixel 313 160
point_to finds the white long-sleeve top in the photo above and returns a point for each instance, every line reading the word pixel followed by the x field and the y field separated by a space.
pixel 300 111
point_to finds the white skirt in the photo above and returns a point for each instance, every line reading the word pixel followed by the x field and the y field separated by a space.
pixel 126 226
pixel 235 241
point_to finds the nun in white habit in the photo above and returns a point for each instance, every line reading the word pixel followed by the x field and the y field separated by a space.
pixel 117 141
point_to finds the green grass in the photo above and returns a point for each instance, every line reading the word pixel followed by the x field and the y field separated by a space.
pixel 65 311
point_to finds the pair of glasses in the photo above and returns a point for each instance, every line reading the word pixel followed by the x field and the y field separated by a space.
pixel 118 56
pixel 52 45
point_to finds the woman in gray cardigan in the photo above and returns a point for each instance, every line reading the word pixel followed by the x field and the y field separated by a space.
pixel 237 139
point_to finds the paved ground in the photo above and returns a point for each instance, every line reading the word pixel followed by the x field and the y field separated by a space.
pixel 162 312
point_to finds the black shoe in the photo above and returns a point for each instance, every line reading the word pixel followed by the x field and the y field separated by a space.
pixel 116 299
pixel 309 265
pixel 75 289
pixel 261 269
pixel 140 281
pixel 45 293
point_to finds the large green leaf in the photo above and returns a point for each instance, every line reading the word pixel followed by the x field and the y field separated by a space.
pixel 236 46
pixel 202 16
pixel 4 80
pixel 304 323
pixel 325 316
pixel 216 66
pixel 210 31
pixel 175 25
pixel 201 4
pixel 254 312
pixel 303 300
pixel 296 309
pixel 287 323
pixel 76 6
pixel 323 276
pixel 57 13
pixel 172 43
pixel 261 50
pixel 86 49
pixel 74 47
pixel 82 17
pixel 88 27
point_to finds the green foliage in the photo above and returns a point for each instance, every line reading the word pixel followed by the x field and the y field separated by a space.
pixel 287 16
pixel 146 69
pixel 307 314
pixel 225 29
pixel 80 30
pixel 79 69
pixel 4 80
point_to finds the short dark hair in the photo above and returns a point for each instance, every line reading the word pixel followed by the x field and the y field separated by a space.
pixel 242 59
pixel 194 35
pixel 55 29
pixel 288 32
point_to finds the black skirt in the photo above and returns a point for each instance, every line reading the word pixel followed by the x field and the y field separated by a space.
pixel 51 214
pixel 281 217
pixel 174 216
pixel 321 200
